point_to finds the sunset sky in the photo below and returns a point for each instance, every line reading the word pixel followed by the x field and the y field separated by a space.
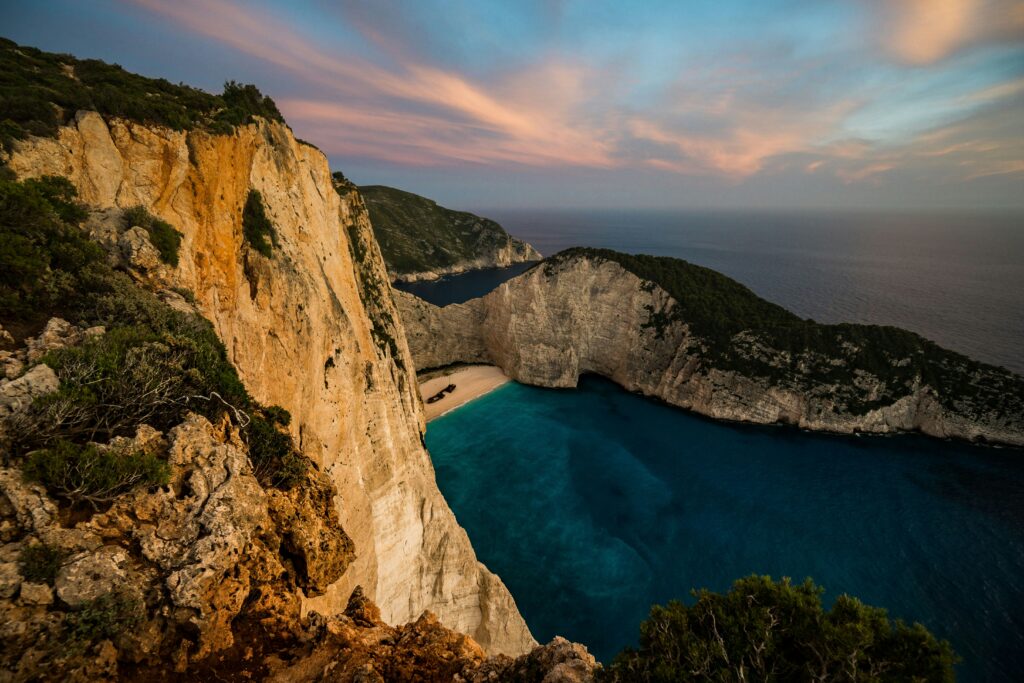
pixel 739 103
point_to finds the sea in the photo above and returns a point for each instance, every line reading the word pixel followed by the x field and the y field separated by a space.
pixel 594 503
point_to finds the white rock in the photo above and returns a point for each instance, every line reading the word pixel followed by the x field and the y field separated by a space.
pixel 359 416
pixel 57 334
pixel 138 251
pixel 17 394
pixel 92 575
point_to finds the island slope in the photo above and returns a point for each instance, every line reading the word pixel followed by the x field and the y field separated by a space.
pixel 421 240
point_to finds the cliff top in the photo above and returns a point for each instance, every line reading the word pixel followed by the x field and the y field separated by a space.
pixel 40 91
pixel 748 334
pixel 418 235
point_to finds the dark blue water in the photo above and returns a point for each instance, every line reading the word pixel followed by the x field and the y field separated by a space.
pixel 956 278
pixel 592 504
pixel 455 289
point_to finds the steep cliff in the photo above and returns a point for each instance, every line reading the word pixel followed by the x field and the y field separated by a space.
pixel 584 311
pixel 421 240
pixel 311 328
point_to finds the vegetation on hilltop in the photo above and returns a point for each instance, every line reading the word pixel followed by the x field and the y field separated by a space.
pixel 417 235
pixel 742 332
pixel 152 365
pixel 764 630
pixel 40 91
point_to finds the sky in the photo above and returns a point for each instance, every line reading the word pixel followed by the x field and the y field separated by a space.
pixel 783 104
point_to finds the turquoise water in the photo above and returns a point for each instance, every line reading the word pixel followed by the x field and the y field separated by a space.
pixel 592 504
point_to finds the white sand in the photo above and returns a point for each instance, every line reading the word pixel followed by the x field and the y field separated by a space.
pixel 470 382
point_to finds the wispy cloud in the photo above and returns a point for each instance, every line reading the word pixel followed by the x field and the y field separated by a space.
pixel 733 112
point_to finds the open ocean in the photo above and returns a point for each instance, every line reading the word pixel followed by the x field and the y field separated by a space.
pixel 956 278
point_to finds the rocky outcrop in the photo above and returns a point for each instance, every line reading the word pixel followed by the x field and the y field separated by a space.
pixel 581 315
pixel 312 329
pixel 186 561
pixel 357 646
pixel 421 240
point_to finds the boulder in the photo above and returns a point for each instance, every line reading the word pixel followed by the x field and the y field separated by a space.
pixel 57 334
pixel 17 394
pixel 137 250
pixel 92 575
pixel 36 594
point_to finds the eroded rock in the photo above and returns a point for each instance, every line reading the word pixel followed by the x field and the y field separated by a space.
pixel 137 249
pixel 92 575
pixel 17 394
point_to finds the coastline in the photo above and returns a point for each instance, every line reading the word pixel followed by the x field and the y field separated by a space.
pixel 471 382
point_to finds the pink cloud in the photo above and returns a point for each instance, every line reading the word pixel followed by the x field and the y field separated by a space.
pixel 923 32
pixel 723 117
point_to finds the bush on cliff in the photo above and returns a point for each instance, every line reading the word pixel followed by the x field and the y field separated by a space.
pixel 42 252
pixel 764 630
pixel 162 234
pixel 104 618
pixel 95 475
pixel 40 563
pixel 257 228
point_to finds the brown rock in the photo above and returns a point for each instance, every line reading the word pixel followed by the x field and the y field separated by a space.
pixel 36 594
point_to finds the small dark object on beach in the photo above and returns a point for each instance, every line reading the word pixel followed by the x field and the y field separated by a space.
pixel 439 395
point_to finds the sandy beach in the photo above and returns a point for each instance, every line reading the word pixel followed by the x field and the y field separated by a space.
pixel 470 382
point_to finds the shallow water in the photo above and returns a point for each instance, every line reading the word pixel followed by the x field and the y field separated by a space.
pixel 592 504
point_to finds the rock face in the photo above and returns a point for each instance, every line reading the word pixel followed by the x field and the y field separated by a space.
pixel 312 329
pixel 189 558
pixel 563 319
pixel 421 240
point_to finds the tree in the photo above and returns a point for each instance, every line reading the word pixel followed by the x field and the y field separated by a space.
pixel 764 630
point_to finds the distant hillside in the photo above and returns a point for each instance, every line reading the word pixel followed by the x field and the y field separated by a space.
pixel 421 240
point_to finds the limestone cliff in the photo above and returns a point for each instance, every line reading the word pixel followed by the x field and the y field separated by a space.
pixel 586 313
pixel 421 240
pixel 312 329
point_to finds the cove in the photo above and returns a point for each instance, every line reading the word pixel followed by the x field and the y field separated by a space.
pixel 594 503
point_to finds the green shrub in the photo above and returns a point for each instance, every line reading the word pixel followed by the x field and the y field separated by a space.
pixel 89 473
pixel 162 234
pixel 104 618
pixel 256 226
pixel 272 453
pixel 40 91
pixel 41 255
pixel 773 631
pixel 40 563
pixel 243 102
pixel 61 195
